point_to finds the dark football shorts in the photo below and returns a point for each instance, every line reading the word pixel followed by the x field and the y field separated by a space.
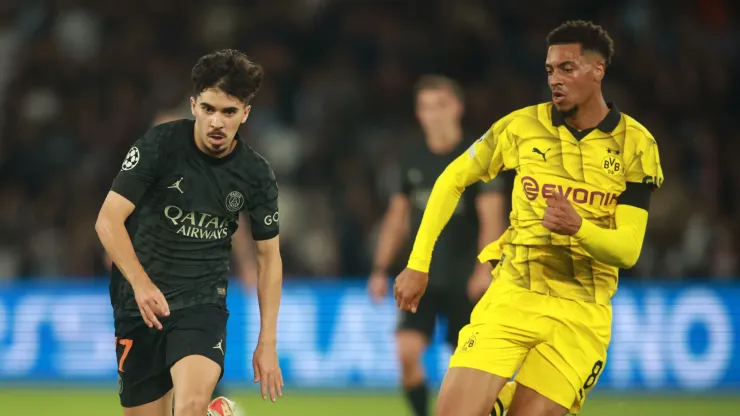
pixel 454 305
pixel 145 355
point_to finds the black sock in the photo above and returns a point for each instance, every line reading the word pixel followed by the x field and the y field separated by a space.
pixel 419 398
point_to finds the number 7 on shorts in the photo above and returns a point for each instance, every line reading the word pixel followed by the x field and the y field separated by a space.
pixel 127 344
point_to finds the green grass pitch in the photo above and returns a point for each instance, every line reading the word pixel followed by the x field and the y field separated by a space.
pixel 98 402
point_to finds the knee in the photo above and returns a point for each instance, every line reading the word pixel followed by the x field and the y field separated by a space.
pixel 191 404
pixel 409 353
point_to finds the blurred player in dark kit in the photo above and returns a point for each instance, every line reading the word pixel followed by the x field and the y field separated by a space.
pixel 479 218
pixel 167 225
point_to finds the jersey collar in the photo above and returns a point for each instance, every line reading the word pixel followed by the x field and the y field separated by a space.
pixel 607 125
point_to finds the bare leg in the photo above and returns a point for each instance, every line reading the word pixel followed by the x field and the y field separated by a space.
pixel 411 345
pixel 528 402
pixel 160 407
pixel 194 378
pixel 468 392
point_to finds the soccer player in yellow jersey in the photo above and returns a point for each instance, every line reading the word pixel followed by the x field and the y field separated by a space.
pixel 585 173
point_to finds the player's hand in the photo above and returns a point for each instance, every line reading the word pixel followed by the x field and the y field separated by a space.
pixel 560 216
pixel 479 282
pixel 151 302
pixel 408 289
pixel 377 286
pixel 267 371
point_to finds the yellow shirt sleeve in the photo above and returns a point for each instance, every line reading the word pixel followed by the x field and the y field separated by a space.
pixel 645 165
pixel 621 247
pixel 482 161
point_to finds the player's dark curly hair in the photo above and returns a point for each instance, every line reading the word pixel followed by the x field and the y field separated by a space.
pixel 591 37
pixel 229 70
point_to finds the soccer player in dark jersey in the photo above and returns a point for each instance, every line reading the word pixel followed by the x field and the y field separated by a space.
pixel 243 248
pixel 585 174
pixel 167 225
pixel 479 218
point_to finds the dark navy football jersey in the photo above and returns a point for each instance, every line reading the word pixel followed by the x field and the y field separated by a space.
pixel 187 208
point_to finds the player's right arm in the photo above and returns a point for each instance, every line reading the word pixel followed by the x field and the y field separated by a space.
pixel 482 161
pixel 137 175
pixel 393 232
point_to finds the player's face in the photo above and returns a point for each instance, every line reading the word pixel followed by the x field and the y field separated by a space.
pixel 437 108
pixel 572 76
pixel 217 119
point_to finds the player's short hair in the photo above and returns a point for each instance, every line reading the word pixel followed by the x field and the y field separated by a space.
pixel 591 37
pixel 229 70
pixel 433 82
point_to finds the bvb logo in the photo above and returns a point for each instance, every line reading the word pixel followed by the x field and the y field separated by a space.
pixel 470 343
pixel 234 201
pixel 120 384
pixel 612 165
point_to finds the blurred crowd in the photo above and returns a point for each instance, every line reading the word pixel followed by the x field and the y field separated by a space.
pixel 80 80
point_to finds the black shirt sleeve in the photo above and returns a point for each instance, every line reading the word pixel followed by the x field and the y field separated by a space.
pixel 262 201
pixel 402 183
pixel 637 195
pixel 495 185
pixel 139 168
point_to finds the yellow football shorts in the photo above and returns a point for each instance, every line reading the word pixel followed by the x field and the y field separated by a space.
pixel 558 345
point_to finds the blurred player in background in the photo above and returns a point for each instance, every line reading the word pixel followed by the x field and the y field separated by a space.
pixel 167 225
pixel 585 173
pixel 478 219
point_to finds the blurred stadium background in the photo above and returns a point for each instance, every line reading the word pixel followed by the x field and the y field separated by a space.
pixel 80 80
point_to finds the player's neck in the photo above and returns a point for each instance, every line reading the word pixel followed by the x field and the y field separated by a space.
pixel 444 141
pixel 589 114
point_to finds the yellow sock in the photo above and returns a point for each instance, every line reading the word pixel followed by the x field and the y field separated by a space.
pixel 504 399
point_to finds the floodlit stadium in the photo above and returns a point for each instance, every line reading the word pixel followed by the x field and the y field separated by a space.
pixel 339 118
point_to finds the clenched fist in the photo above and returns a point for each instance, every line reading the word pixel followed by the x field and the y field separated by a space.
pixel 560 216
pixel 409 287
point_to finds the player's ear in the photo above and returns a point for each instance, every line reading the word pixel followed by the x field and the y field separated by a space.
pixel 599 70
pixel 247 109
pixel 192 106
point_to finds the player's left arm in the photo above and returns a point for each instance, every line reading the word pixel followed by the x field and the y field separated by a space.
pixel 269 287
pixel 244 252
pixel 264 225
pixel 621 247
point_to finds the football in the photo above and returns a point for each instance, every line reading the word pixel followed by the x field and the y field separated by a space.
pixel 221 406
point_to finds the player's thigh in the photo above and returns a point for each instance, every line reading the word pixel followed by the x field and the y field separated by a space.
pixel 196 348
pixel 159 407
pixel 194 378
pixel 503 328
pixel 527 402
pixel 567 366
pixel 468 392
pixel 199 330
pixel 143 376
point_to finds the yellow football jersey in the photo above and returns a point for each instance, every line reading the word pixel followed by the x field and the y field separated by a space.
pixel 590 168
